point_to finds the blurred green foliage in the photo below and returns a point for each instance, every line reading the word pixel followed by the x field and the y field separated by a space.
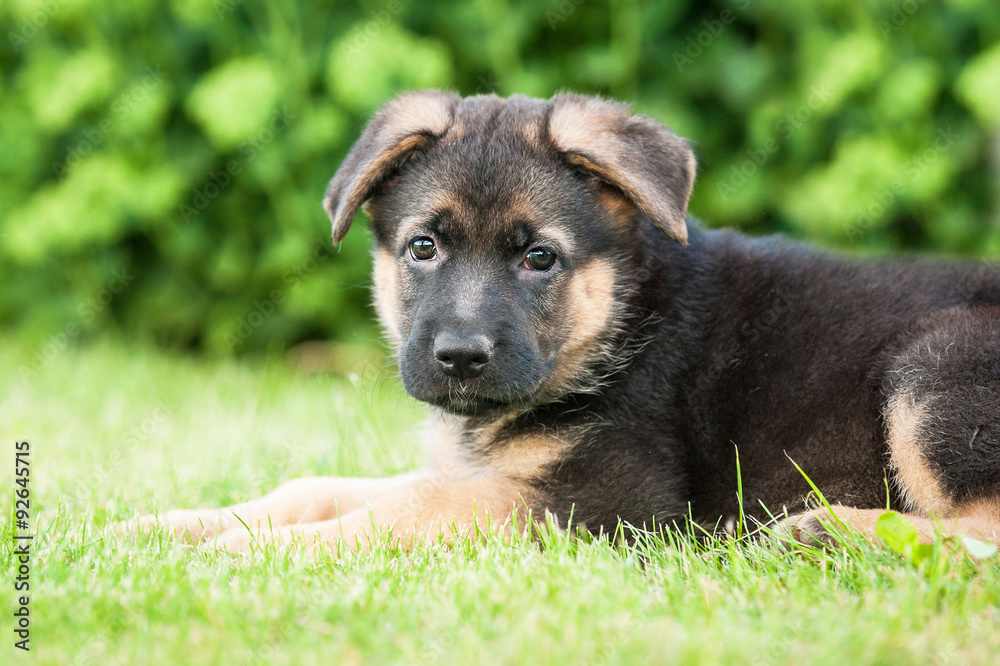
pixel 162 163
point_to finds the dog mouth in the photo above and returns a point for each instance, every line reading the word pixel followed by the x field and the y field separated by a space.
pixel 472 406
pixel 466 402
pixel 507 385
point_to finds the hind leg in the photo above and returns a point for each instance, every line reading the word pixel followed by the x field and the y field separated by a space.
pixel 942 419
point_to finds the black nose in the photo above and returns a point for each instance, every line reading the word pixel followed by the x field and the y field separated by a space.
pixel 462 356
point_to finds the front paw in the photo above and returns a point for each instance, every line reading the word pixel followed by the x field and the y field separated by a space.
pixel 185 525
pixel 810 528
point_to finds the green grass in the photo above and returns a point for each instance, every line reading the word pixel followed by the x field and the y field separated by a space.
pixel 118 431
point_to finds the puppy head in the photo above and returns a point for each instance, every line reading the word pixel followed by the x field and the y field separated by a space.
pixel 506 237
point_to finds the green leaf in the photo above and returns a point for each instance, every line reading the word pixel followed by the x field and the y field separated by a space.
pixel 235 101
pixel 898 533
pixel 978 549
pixel 373 62
pixel 921 552
pixel 977 86
pixel 70 86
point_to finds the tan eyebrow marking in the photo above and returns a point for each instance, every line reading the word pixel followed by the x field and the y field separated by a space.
pixel 557 234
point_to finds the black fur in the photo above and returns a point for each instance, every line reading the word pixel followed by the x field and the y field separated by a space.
pixel 782 353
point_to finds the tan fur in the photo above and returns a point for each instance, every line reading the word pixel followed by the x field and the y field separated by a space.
pixel 440 504
pixel 578 126
pixel 432 199
pixel 386 294
pixel 443 436
pixel 589 131
pixel 400 127
pixel 634 186
pixel 921 488
pixel 454 493
pixel 907 424
pixel 527 457
pixel 492 429
pixel 521 457
pixel 987 509
pixel 302 500
pixel 590 304
pixel 809 527
pixel 343 212
pixel 555 235
pixel 521 208
pixel 692 167
pixel 407 226
pixel 532 134
pixel 621 208
pixel 417 113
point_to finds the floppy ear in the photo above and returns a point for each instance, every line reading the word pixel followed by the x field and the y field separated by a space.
pixel 653 167
pixel 401 127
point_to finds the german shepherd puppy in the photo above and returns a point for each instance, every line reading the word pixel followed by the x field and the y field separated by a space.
pixel 593 354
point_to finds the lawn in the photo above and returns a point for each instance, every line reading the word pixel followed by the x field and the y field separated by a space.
pixel 117 430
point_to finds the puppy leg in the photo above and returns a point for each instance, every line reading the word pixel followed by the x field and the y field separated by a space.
pixel 303 500
pixel 813 527
pixel 426 508
pixel 942 420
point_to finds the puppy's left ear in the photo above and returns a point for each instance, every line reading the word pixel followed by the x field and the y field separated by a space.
pixel 650 165
pixel 401 127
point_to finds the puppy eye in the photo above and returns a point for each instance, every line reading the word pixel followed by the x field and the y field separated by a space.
pixel 539 259
pixel 422 249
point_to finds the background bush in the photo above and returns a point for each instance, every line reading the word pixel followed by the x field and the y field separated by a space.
pixel 162 163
